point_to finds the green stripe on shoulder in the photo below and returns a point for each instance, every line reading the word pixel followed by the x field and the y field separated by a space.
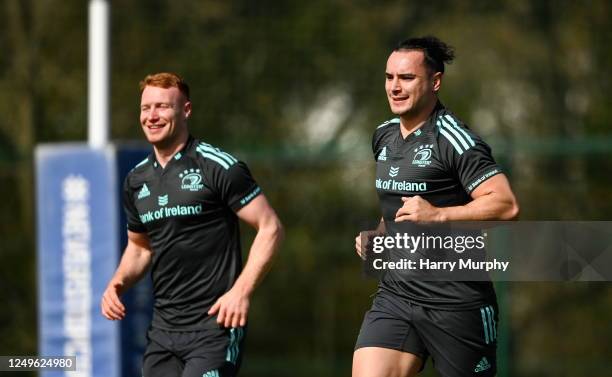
pixel 391 121
pixel 142 162
pixel 215 154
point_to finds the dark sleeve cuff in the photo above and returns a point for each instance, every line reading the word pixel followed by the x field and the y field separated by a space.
pixel 480 178
pixel 251 194
pixel 136 228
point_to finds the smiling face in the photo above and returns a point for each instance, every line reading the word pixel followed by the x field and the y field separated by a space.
pixel 411 87
pixel 163 116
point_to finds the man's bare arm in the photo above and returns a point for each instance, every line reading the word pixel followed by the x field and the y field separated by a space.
pixel 492 200
pixel 134 264
pixel 232 308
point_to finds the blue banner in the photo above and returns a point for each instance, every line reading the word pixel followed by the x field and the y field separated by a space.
pixel 81 235
pixel 139 299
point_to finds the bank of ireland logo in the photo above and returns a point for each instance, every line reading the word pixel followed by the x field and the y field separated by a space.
pixel 422 155
pixel 144 192
pixel 191 180
pixel 383 155
pixel 162 200
pixel 393 172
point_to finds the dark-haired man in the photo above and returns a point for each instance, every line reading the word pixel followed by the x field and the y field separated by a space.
pixel 455 179
pixel 182 204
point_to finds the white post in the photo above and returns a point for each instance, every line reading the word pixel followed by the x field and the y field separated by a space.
pixel 98 80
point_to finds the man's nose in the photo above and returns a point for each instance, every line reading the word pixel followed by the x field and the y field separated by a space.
pixel 395 84
pixel 153 113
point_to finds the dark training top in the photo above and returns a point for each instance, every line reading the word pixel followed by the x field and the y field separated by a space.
pixel 443 162
pixel 188 211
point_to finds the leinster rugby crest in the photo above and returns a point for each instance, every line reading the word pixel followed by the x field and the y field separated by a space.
pixel 422 156
pixel 191 180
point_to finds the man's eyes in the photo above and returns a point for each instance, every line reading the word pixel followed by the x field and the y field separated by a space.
pixel 401 77
pixel 159 106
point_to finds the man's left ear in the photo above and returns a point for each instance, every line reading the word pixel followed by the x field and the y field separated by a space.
pixel 436 81
pixel 187 109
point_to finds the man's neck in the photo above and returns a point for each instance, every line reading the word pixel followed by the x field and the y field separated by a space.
pixel 411 122
pixel 163 154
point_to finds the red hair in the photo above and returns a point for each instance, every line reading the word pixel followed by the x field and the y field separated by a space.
pixel 166 80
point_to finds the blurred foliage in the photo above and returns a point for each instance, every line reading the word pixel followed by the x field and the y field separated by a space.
pixel 296 88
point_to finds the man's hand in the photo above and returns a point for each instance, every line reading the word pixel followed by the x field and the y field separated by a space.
pixel 112 308
pixel 418 210
pixel 361 251
pixel 368 235
pixel 232 309
pixel 134 264
pixel 358 248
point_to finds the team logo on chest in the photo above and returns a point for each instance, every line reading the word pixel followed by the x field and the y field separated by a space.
pixel 422 155
pixel 191 180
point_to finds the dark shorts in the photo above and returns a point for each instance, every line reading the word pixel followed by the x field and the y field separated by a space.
pixel 460 343
pixel 206 353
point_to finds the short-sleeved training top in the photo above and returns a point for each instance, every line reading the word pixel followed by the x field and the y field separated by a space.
pixel 187 209
pixel 443 162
